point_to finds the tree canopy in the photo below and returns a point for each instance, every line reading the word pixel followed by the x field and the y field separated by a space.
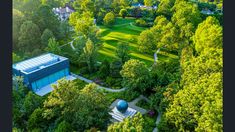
pixel 136 75
pixel 135 124
pixel 208 35
pixel 109 19
pixel 29 36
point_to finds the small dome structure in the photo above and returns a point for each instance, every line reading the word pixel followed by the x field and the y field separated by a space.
pixel 122 106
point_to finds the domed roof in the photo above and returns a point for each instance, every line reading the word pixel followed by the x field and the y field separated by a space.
pixel 122 106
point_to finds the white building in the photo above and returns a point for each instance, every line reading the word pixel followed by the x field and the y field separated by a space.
pixel 63 13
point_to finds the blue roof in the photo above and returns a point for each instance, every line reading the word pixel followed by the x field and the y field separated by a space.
pixel 38 62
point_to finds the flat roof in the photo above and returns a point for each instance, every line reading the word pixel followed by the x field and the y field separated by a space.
pixel 38 62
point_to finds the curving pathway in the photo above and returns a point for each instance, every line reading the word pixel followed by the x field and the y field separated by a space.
pixel 157 121
pixel 155 56
pixel 99 87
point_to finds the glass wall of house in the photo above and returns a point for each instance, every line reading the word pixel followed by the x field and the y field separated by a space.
pixel 37 85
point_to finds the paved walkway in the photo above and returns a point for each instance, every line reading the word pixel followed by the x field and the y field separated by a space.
pixel 155 56
pixel 99 87
pixel 157 121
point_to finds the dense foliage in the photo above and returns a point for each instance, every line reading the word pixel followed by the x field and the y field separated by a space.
pixel 129 124
pixel 113 43
pixel 199 103
pixel 136 76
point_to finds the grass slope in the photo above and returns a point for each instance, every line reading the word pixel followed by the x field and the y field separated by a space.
pixel 125 31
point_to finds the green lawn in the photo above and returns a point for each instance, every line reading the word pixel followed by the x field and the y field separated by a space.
pixel 125 31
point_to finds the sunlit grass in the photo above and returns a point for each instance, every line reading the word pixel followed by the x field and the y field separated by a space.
pixel 124 31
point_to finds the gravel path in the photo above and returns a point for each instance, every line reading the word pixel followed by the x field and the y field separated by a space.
pixel 99 87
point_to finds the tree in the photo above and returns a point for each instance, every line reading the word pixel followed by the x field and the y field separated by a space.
pixel 46 35
pixel 53 46
pixel 186 17
pixel 122 52
pixel 148 2
pixel 166 34
pixel 82 22
pixel 145 41
pixel 208 35
pixel 125 3
pixel 64 127
pixel 90 55
pixel 90 109
pixel 134 124
pixel 18 18
pixel 164 8
pixel 104 70
pixel 123 13
pixel 165 73
pixel 64 29
pixel 46 19
pixel 36 120
pixel 31 102
pixel 115 68
pixel 87 106
pixel 59 100
pixel 136 75
pixel 109 19
pixel 15 58
pixel 29 37
pixel 198 105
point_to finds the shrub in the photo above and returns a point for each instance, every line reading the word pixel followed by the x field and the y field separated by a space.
pixel 110 81
pixel 143 104
pixel 123 13
pixel 141 22
pixel 109 19
pixel 149 123
pixel 104 70
pixel 84 70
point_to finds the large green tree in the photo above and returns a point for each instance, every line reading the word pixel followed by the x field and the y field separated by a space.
pixel 31 102
pixel 122 52
pixel 36 120
pixel 109 19
pixel 82 22
pixel 186 17
pixel 145 41
pixel 29 36
pixel 123 13
pixel 17 21
pixel 208 35
pixel 164 7
pixel 53 46
pixel 84 25
pixel 90 109
pixel 198 105
pixel 88 106
pixel 46 19
pixel 90 55
pixel 134 124
pixel 46 35
pixel 136 75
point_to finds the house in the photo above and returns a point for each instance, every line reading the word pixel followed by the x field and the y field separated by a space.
pixel 63 13
pixel 40 72
pixel 139 5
